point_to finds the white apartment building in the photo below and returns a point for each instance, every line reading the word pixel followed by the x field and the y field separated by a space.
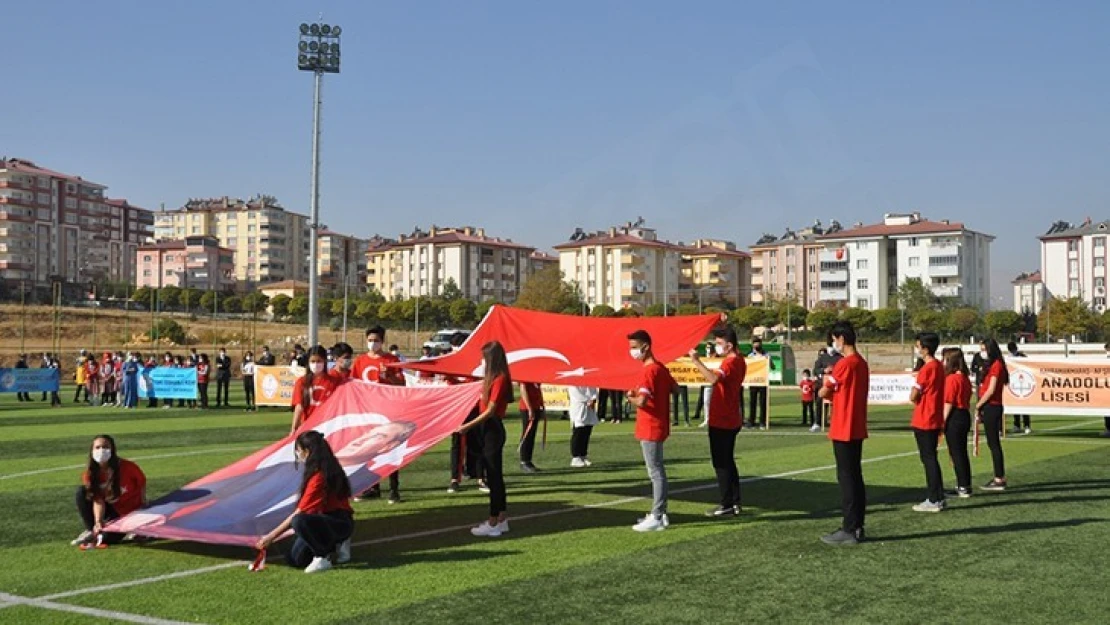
pixel 1073 262
pixel 863 266
pixel 1029 293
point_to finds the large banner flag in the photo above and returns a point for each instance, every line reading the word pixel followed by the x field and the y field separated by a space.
pixel 168 383
pixel 1065 386
pixel 373 429
pixel 29 380
pixel 273 386
pixel 570 350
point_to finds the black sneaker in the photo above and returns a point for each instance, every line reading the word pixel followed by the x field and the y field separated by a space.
pixel 453 487
pixel 394 497
pixel 528 467
pixel 995 485
pixel 721 512
pixel 840 537
pixel 373 493
pixel 860 535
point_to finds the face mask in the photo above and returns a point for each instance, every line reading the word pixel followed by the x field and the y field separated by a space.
pixel 373 346
pixel 249 358
pixel 636 353
pixel 983 354
pixel 345 363
pixel 719 350
pixel 834 349
pixel 317 367
pixel 102 454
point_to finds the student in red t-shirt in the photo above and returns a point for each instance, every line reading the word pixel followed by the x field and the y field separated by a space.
pixel 847 387
pixel 344 360
pixel 312 388
pixel 808 388
pixel 204 371
pixel 957 417
pixel 323 520
pixel 497 394
pixel 724 418
pixel 653 425
pixel 111 488
pixel 928 418
pixel 373 366
pixel 989 408
pixel 531 413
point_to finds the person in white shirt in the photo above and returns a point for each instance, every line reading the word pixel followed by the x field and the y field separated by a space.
pixel 248 380
pixel 583 418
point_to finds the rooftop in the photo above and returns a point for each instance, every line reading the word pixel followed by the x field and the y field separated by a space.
pixel 794 237
pixel 895 225
pixel 443 236
pixel 1065 230
pixel 1028 278
pixel 25 166
pixel 284 285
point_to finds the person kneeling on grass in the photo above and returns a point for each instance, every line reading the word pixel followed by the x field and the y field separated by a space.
pixel 111 487
pixel 653 426
pixel 323 521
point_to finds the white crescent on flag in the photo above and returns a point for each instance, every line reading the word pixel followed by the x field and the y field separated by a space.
pixel 524 354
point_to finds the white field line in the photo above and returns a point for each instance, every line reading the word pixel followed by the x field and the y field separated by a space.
pixel 445 530
pixel 10 600
pixel 179 454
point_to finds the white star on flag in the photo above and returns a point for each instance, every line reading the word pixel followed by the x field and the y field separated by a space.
pixel 574 373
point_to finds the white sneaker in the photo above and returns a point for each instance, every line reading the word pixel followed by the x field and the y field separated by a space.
pixel 815 428
pixel 318 565
pixel 1028 430
pixel 586 462
pixel 929 506
pixel 487 530
pixel 82 538
pixel 503 526
pixel 343 552
pixel 651 523
pixel 577 463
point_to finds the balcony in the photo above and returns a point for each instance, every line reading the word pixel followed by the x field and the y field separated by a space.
pixel 833 295
pixel 631 260
pixel 944 250
pixel 947 290
pixel 944 271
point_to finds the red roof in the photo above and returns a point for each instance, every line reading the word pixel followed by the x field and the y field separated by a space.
pixel 450 237
pixel 1026 278
pixel 882 230
pixel 163 245
pixel 295 285
pixel 615 240
pixel 709 250
pixel 538 255
pixel 27 167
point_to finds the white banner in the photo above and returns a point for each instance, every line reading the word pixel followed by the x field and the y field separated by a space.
pixel 891 389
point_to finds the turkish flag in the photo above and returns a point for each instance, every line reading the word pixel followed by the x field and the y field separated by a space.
pixel 549 348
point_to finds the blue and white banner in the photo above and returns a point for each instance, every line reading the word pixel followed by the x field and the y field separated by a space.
pixel 28 380
pixel 168 383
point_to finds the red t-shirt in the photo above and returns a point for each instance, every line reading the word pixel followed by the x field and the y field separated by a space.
pixel 957 390
pixel 131 485
pixel 372 368
pixel 202 373
pixel 500 390
pixel 724 398
pixel 317 500
pixel 653 419
pixel 535 397
pixel 850 382
pixel 339 376
pixel 995 371
pixel 928 414
pixel 807 387
pixel 323 386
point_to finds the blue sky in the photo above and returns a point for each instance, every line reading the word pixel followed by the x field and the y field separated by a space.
pixel 722 119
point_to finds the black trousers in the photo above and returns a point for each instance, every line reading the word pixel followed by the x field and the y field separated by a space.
pixel 927 441
pixel 202 389
pixel 956 430
pixel 993 420
pixel 466 451
pixel 531 423
pixel 394 484
pixel 318 535
pixel 681 396
pixel 248 390
pixel 1106 423
pixel 757 404
pixel 27 396
pixel 1020 421
pixel 223 388
pixel 85 509
pixel 607 399
pixel 493 445
pixel 849 475
pixel 809 417
pixel 580 441
pixel 722 450
pixel 77 395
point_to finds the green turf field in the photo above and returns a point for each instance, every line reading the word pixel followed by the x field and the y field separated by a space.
pixel 1035 554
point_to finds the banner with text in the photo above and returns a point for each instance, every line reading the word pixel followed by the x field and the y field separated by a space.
pixel 1068 387
pixel 686 374
pixel 29 380
pixel 890 388
pixel 273 386
pixel 168 383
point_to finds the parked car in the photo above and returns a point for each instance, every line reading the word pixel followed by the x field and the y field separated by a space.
pixel 441 342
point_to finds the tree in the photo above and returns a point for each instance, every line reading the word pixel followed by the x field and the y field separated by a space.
pixel 367 311
pixel 255 302
pixel 654 310
pixel 603 310
pixel 687 309
pixel 749 317
pixel 888 320
pixel 280 305
pixel 451 291
pixel 169 329
pixel 821 320
pixel 1003 323
pixel 336 324
pixel 862 320
pixel 190 298
pixel 482 309
pixel 914 296
pixel 1067 317
pixel 143 296
pixel 962 320
pixel 461 312
pixel 169 297
pixel 298 306
pixel 208 300
pixel 546 290
pixel 393 311
pixel 928 320
pixel 231 304
pixel 791 314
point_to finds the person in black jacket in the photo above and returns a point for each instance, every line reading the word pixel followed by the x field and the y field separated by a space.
pixel 223 378
pixel 757 395
pixel 826 359
pixel 22 364
pixel 266 359
pixel 1021 422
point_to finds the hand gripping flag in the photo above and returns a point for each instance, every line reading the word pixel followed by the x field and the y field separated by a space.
pixel 373 429
pixel 569 350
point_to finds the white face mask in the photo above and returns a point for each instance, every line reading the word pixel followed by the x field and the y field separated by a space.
pixel 983 354
pixel 102 454
pixel 317 367
pixel 374 346
pixel 719 349
pixel 835 349
pixel 636 353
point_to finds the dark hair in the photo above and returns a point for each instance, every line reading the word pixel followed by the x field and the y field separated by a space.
pixel 497 364
pixel 380 331
pixel 306 390
pixel 805 371
pixel 930 341
pixel 844 330
pixel 726 333
pixel 204 358
pixel 342 350
pixel 641 336
pixel 322 460
pixel 954 361
pixel 994 354
pixel 93 470
pixel 1011 347
pixel 394 348
pixel 756 339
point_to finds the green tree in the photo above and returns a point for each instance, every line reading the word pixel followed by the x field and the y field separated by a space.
pixel 169 297
pixel 167 328
pixel 928 320
pixel 367 311
pixel 748 318
pixel 1003 323
pixel 190 299
pixel 1067 317
pixel 450 291
pixel 687 309
pixel 298 307
pixel 914 296
pixel 603 310
pixel 546 290
pixel 208 300
pixel 392 312
pixel 482 309
pixel 462 312
pixel 280 305
pixel 821 320
pixel 961 321
pixel 143 296
pixel 862 320
pixel 231 304
pixel 888 320
pixel 791 314
pixel 255 302
pixel 654 310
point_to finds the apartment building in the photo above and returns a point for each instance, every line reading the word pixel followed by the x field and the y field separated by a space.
pixel 1029 293
pixel 1073 262
pixel 542 260
pixel 863 266
pixel 787 266
pixel 191 263
pixel 715 271
pixel 342 260
pixel 61 227
pixel 421 263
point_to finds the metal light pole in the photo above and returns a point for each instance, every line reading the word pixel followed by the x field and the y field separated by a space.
pixel 346 282
pixel 317 52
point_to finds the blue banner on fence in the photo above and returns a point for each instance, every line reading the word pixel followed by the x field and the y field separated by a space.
pixel 28 380
pixel 168 383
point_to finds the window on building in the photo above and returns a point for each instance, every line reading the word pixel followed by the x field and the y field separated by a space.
pixel 861 264
pixel 1100 261
pixel 1100 283
pixel 1073 287
pixel 147 258
pixel 1100 243
pixel 1073 246
pixel 861 284
pixel 146 273
pixel 169 258
pixel 862 303
pixel 913 241
pixel 914 261
pixel 1073 267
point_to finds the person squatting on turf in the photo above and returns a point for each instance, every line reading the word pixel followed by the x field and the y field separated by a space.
pixel 497 394
pixel 653 425
pixel 725 418
pixel 323 520
pixel 847 386
pixel 957 416
pixel 989 408
pixel 928 419
pixel 111 487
